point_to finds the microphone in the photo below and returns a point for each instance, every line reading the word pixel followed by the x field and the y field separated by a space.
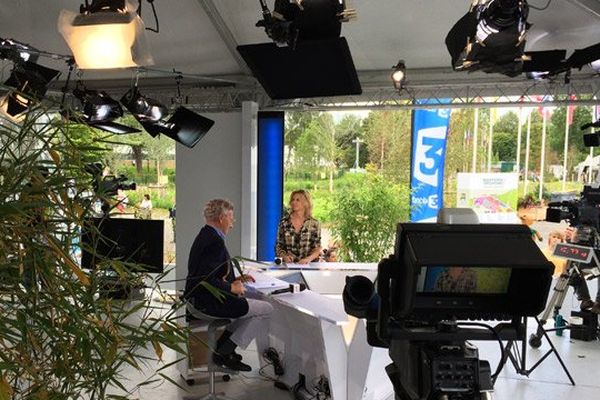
pixel 590 124
pixel 294 288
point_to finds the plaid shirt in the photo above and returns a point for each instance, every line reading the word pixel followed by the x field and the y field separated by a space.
pixel 466 282
pixel 297 244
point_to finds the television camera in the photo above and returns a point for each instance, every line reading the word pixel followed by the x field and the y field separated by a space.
pixel 106 186
pixel 438 276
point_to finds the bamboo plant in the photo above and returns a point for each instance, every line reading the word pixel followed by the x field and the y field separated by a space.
pixel 58 338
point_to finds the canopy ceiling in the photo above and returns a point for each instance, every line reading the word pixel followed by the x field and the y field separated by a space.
pixel 198 39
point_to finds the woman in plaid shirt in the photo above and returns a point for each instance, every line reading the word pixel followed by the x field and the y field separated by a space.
pixel 299 234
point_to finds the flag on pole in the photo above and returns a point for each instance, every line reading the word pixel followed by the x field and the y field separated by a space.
pixel 571 110
pixel 543 109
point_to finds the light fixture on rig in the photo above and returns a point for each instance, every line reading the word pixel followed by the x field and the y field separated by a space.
pixel 306 46
pixel 184 126
pixel 490 37
pixel 399 75
pixel 548 64
pixel 30 82
pixel 100 110
pixel 300 20
pixel 105 34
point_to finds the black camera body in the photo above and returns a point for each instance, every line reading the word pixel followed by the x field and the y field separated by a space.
pixel 583 214
pixel 109 185
pixel 440 274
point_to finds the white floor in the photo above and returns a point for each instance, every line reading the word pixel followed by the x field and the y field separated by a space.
pixel 547 382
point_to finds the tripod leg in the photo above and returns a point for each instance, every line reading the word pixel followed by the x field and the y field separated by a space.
pixel 552 308
pixel 552 350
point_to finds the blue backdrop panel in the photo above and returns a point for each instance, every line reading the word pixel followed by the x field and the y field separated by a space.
pixel 270 182
pixel 429 131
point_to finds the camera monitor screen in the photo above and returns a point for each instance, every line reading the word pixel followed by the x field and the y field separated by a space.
pixel 129 240
pixel 463 280
pixel 483 271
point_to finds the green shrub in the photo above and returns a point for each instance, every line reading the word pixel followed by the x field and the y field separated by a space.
pixel 365 216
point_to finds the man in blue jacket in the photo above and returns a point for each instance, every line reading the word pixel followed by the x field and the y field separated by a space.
pixel 210 261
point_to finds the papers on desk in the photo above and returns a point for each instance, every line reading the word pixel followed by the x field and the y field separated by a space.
pixel 264 281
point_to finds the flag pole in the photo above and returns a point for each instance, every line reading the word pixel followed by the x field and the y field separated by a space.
pixel 543 153
pixel 527 147
pixel 519 133
pixel 475 129
pixel 566 151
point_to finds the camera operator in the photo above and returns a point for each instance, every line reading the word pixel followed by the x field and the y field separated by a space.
pixel 582 235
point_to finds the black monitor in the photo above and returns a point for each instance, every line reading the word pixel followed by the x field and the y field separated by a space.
pixel 312 69
pixel 486 271
pixel 129 240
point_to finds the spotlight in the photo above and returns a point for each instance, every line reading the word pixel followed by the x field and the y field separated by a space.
pixel 31 83
pixel 399 75
pixel 106 34
pixel 587 56
pixel 539 65
pixel 494 34
pixel 184 126
pixel 99 111
pixel 301 20
pixel 11 49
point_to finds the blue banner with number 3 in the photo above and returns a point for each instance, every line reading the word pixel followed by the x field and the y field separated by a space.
pixel 429 133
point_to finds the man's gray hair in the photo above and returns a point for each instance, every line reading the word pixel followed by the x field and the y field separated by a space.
pixel 215 208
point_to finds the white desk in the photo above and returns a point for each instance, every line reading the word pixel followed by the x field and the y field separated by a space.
pixel 324 278
pixel 306 328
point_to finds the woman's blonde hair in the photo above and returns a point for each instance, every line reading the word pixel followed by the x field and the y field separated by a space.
pixel 556 234
pixel 307 201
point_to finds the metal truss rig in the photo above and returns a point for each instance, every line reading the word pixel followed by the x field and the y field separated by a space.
pixel 463 95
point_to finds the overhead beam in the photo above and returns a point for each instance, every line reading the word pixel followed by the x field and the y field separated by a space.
pixel 212 12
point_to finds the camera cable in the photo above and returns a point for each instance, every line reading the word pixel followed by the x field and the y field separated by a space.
pixel 497 336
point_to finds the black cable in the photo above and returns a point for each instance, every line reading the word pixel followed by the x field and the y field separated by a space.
pixel 541 8
pixel 497 336
pixel 155 17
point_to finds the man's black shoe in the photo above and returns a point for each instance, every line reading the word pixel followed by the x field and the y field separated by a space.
pixel 236 356
pixel 231 362
pixel 586 304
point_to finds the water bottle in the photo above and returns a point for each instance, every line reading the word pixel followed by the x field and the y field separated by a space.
pixel 559 323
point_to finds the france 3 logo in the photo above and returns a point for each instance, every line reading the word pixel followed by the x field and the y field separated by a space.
pixel 428 161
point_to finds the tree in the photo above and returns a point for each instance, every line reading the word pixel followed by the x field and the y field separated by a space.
pixel 348 129
pixel 135 141
pixel 556 132
pixel 316 147
pixel 388 140
pixel 505 137
pixel 158 149
pixel 296 123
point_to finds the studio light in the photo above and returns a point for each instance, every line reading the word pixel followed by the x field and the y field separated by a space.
pixel 490 37
pixel 295 21
pixel 306 45
pixel 106 34
pixel 31 83
pixel 100 110
pixel 399 75
pixel 184 126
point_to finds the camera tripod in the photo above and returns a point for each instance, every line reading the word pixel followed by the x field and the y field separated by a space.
pixel 518 354
pixel 518 358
